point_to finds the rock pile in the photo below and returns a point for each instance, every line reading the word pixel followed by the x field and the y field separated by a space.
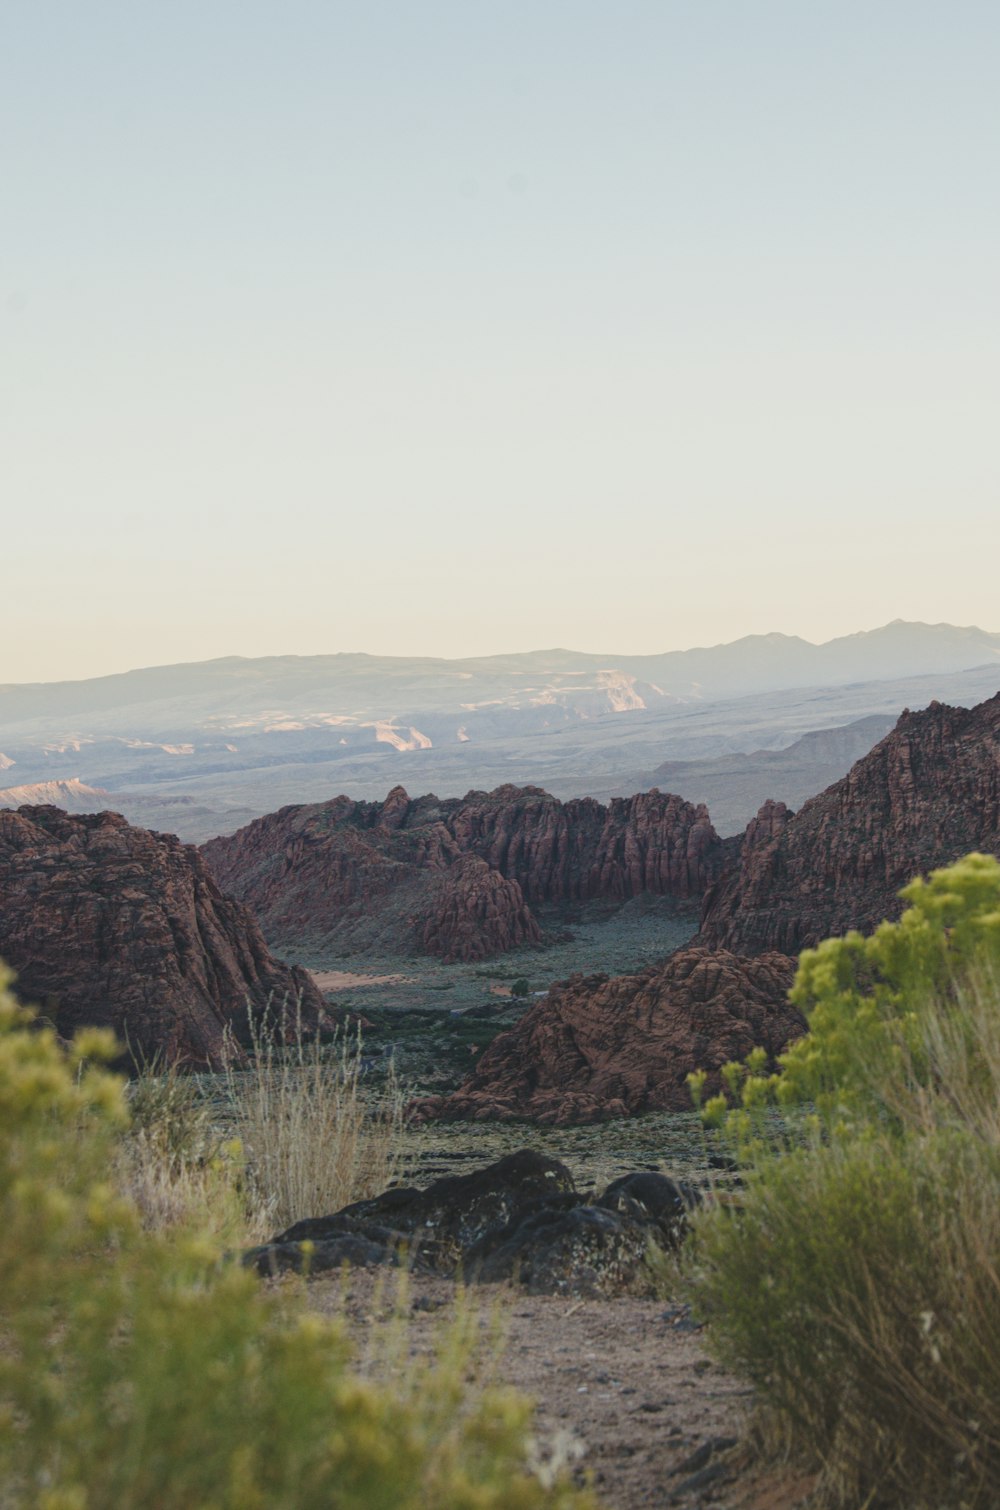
pixel 520 1219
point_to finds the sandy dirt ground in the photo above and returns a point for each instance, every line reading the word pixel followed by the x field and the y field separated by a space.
pixel 347 980
pixel 624 1388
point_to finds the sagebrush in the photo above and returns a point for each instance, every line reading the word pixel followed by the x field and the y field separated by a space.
pixel 858 1283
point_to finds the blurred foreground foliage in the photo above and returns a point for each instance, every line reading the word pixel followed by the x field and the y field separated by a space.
pixel 138 1368
pixel 858 1282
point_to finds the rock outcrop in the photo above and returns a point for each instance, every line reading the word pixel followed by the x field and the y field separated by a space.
pixel 473 912
pixel 927 794
pixel 520 1219
pixel 458 878
pixel 572 851
pixel 113 926
pixel 601 1046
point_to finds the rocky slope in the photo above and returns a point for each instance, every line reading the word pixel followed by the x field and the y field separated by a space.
pixel 733 786
pixel 115 926
pixel 927 794
pixel 605 1047
pixel 399 873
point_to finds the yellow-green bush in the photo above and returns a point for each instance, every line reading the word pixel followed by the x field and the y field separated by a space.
pixel 138 1370
pixel 858 1284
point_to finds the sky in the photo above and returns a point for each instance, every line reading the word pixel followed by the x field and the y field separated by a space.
pixel 444 327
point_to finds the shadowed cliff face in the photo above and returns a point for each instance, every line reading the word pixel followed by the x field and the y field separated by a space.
pixel 398 873
pixel 601 1046
pixel 927 794
pixel 113 926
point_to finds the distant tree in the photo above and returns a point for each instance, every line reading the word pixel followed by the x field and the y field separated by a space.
pixel 520 987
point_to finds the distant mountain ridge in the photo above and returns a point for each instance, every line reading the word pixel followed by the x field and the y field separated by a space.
pixel 734 786
pixel 755 663
pixel 226 740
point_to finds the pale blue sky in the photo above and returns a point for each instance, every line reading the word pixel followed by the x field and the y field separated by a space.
pixel 460 327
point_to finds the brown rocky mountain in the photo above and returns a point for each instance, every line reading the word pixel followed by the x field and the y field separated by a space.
pixel 601 1046
pixel 397 874
pixel 927 794
pixel 115 926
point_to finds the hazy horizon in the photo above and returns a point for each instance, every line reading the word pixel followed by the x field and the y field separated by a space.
pixel 500 653
pixel 453 330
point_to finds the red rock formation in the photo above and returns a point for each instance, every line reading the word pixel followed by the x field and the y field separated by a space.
pixel 929 793
pixel 364 872
pixel 474 912
pixel 114 926
pixel 604 1047
pixel 570 851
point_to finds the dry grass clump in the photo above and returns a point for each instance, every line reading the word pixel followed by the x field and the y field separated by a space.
pixel 314 1136
pixel 290 1130
pixel 858 1285
pixel 174 1162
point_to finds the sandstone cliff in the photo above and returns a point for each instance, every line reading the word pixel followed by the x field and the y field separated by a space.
pixel 397 873
pixel 601 1046
pixel 115 926
pixel 927 794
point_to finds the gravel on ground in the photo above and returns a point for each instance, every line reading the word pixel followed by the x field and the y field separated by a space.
pixel 624 1389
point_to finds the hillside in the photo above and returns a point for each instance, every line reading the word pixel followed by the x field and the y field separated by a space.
pixel 111 926
pixel 925 795
pixel 734 786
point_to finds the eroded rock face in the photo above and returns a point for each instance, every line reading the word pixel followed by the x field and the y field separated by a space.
pixel 571 851
pixel 401 873
pixel 928 794
pixel 601 1046
pixel 473 912
pixel 113 926
pixel 519 1219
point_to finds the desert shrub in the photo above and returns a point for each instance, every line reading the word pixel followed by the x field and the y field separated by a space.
pixel 314 1136
pixel 139 1370
pixel 520 987
pixel 858 1284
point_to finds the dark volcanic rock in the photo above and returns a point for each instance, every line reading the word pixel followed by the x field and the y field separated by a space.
pixel 583 1251
pixel 441 1223
pixel 113 926
pixel 653 1199
pixel 398 874
pixel 519 1219
pixel 929 793
pixel 601 1046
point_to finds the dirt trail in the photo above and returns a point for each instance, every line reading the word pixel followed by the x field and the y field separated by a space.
pixel 624 1385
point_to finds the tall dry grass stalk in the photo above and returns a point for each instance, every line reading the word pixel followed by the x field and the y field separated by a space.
pixel 314 1137
pixel 174 1162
